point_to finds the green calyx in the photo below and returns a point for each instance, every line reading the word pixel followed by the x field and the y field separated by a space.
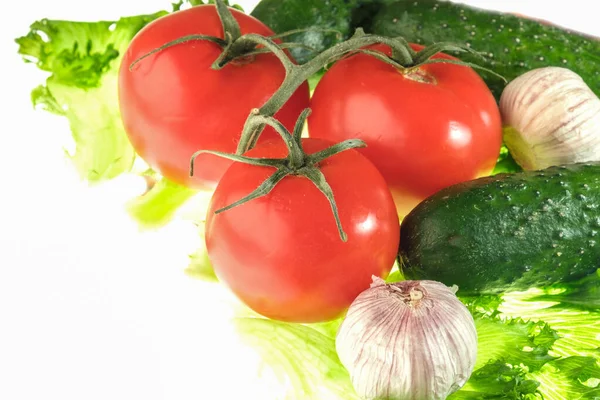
pixel 406 59
pixel 232 47
pixel 231 32
pixel 297 162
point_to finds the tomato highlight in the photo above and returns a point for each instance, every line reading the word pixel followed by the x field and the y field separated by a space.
pixel 426 127
pixel 173 103
pixel 299 226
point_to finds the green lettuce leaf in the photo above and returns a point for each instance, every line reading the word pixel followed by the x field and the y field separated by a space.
pixel 515 342
pixel 578 328
pixel 543 343
pixel 82 59
pixel 505 163
pixel 574 377
pixel 200 266
pixel 526 349
pixel 194 210
pixel 583 294
pixel 508 350
pixel 158 205
pixel 303 359
pixel 499 380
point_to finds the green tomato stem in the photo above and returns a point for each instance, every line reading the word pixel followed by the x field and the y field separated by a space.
pixel 231 27
pixel 184 39
pixel 403 57
pixel 296 163
pixel 298 74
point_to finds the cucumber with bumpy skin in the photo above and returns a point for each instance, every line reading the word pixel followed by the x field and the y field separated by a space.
pixel 507 232
pixel 510 45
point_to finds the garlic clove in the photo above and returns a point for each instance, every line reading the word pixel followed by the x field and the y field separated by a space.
pixel 408 340
pixel 550 117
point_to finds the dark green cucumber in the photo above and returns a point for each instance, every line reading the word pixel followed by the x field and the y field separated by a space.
pixel 321 15
pixel 511 45
pixel 508 231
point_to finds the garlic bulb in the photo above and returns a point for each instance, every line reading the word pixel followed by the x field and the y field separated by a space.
pixel 550 117
pixel 410 340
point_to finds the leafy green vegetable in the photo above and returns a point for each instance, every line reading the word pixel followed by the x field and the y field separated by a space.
pixel 313 80
pixel 519 357
pixel 329 328
pixel 557 349
pixel 395 275
pixel 498 380
pixel 301 356
pixel 573 377
pixel 83 59
pixel 505 163
pixel 579 330
pixel 584 295
pixel 200 266
pixel 515 342
pixel 508 349
pixel 157 206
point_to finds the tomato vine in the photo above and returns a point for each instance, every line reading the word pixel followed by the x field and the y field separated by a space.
pixel 241 48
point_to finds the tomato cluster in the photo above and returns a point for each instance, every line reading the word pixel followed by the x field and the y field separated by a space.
pixel 173 103
pixel 281 253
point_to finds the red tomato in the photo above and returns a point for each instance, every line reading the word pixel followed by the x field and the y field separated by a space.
pixel 173 103
pixel 282 255
pixel 427 130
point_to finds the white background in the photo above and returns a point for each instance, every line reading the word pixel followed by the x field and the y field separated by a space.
pixel 89 307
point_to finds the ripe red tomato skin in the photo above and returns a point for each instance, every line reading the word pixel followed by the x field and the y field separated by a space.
pixel 281 254
pixel 421 136
pixel 173 104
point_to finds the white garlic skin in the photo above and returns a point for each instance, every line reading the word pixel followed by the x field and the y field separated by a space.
pixel 550 117
pixel 411 340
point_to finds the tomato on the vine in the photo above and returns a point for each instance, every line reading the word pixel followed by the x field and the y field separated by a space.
pixel 172 103
pixel 427 128
pixel 282 254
